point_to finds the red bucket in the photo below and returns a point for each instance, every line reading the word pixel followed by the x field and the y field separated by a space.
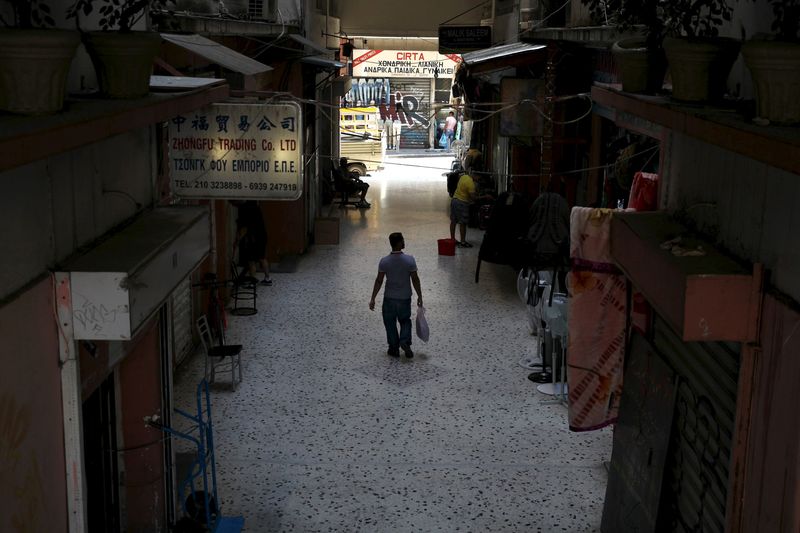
pixel 447 247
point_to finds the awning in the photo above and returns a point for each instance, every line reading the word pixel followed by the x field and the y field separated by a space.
pixel 322 62
pixel 217 53
pixel 317 49
pixel 504 55
pixel 181 83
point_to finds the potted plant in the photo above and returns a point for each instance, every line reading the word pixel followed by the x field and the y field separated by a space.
pixel 640 59
pixel 34 58
pixel 699 60
pixel 775 65
pixel 122 58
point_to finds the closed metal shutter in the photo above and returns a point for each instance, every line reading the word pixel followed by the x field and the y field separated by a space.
pixel 181 305
pixel 416 136
pixel 696 473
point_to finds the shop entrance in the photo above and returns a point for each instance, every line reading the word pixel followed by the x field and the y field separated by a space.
pixel 100 454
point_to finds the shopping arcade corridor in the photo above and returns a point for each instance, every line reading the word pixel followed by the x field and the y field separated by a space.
pixel 328 433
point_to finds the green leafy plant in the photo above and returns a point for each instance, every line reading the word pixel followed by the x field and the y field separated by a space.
pixel 787 19
pixel 119 15
pixel 694 18
pixel 631 15
pixel 29 14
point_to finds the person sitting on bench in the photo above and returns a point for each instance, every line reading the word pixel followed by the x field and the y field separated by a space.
pixel 349 183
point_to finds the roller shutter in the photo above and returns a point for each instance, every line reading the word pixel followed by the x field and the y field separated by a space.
pixel 416 136
pixel 181 305
pixel 696 473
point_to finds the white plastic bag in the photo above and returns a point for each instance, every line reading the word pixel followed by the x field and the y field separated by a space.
pixel 423 332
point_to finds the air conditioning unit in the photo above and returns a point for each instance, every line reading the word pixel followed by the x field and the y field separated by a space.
pixel 119 284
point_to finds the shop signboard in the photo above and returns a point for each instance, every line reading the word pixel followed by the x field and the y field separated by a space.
pixel 464 38
pixel 403 64
pixel 238 151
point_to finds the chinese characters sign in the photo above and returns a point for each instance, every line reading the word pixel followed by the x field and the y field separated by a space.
pixel 238 151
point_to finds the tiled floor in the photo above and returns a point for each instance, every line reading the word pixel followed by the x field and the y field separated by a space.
pixel 328 433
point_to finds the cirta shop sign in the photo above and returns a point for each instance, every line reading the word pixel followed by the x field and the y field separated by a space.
pixel 249 151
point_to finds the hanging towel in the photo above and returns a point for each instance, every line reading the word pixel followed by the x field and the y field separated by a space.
pixel 644 192
pixel 596 322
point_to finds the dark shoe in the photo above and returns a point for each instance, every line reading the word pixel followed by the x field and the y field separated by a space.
pixel 465 244
pixel 394 352
pixel 267 282
pixel 407 350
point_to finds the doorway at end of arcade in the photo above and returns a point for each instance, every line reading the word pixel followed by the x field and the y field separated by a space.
pixel 449 123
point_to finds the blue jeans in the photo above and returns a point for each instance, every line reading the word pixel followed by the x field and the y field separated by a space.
pixel 395 311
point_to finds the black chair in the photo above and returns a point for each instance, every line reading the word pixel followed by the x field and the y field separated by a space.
pixel 220 357
pixel 243 293
pixel 344 188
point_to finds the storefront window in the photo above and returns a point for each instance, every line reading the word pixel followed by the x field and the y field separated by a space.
pixel 442 91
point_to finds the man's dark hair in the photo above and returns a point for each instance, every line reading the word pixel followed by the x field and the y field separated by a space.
pixel 395 239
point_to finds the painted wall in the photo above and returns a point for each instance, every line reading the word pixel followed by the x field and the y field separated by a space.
pixel 33 491
pixel 750 207
pixel 772 486
pixel 50 209
pixel 140 396
pixel 56 205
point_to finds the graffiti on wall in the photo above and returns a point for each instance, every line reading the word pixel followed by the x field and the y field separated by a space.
pixel 21 487
pixel 407 111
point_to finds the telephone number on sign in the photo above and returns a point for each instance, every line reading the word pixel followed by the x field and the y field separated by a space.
pixel 273 186
pixel 217 184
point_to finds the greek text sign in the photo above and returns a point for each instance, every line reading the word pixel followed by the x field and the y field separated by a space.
pixel 238 151
pixel 403 64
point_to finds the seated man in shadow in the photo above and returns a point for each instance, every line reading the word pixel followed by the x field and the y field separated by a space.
pixel 350 183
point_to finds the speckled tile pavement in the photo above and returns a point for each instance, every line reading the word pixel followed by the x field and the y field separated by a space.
pixel 328 433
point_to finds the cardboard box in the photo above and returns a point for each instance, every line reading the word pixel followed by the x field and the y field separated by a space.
pixel 326 230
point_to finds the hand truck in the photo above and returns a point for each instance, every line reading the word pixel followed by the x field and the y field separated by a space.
pixel 198 490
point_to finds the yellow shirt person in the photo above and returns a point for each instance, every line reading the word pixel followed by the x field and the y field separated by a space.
pixel 465 190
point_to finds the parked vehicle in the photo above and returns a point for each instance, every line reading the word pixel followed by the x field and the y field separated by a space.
pixel 361 139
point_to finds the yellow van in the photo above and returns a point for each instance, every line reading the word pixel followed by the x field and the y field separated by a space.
pixel 361 139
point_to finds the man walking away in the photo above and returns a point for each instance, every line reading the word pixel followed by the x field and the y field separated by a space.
pixel 400 271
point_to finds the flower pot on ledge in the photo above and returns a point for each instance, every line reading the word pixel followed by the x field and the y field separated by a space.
pixel 700 67
pixel 775 67
pixel 34 65
pixel 641 69
pixel 123 61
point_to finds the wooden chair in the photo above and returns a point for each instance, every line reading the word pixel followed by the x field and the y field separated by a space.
pixel 220 357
